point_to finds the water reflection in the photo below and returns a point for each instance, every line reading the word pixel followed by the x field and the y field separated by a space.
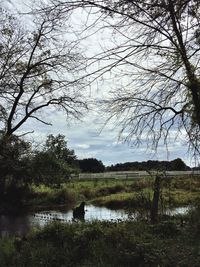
pixel 91 213
pixel 176 211
pixel 21 225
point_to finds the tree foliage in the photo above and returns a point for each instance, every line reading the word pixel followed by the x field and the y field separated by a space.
pixel 15 169
pixel 173 165
pixel 14 152
pixel 91 165
pixel 57 146
pixel 55 163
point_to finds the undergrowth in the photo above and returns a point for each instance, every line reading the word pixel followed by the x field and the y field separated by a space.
pixel 121 244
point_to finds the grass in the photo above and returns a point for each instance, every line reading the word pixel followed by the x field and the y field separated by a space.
pixel 116 193
pixel 128 200
pixel 43 197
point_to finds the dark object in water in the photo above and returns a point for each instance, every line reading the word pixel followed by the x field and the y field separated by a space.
pixel 79 212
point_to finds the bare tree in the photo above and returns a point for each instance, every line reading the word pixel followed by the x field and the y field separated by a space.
pixel 40 68
pixel 154 61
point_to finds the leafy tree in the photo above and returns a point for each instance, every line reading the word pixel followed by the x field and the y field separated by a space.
pixel 15 170
pixel 49 170
pixel 57 145
pixel 55 163
pixel 91 165
pixel 178 165
pixel 39 69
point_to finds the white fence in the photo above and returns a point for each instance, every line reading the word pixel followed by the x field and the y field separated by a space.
pixel 132 175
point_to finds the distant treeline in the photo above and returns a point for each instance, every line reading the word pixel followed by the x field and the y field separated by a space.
pixel 94 165
pixel 91 165
pixel 174 165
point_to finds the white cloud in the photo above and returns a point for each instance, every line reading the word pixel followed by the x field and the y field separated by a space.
pixel 82 146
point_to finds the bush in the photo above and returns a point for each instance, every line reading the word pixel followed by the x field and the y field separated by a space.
pixel 166 229
pixel 123 244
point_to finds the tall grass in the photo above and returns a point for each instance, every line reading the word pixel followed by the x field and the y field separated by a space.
pixel 43 196
pixel 118 193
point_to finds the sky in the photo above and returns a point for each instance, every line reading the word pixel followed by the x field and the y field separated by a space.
pixel 88 140
pixel 91 137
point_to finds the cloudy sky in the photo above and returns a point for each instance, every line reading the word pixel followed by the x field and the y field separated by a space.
pixel 89 137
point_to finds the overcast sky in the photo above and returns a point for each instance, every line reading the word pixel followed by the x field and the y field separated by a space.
pixel 89 138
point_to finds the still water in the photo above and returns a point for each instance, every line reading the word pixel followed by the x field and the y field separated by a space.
pixel 22 224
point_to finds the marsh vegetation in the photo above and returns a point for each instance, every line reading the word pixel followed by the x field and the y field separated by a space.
pixel 116 193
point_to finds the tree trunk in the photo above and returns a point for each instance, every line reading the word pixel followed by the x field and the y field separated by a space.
pixel 155 202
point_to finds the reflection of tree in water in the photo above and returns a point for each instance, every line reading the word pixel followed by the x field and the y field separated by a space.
pixel 19 225
pixel 79 212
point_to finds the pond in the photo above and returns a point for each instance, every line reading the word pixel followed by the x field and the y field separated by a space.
pixel 22 224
